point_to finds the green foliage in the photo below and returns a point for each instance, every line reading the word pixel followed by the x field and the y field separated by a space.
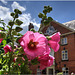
pixel 32 29
pixel 11 23
pixel 2 34
pixel 14 32
pixel 17 11
pixel 1 28
pixel 12 14
pixel 34 61
pixel 18 29
pixel 6 60
pixel 45 20
pixel 40 15
pixel 8 63
pixel 18 22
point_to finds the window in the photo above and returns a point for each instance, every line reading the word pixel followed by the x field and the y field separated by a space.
pixel 38 71
pixel 65 71
pixel 64 55
pixel 63 41
pixel 50 30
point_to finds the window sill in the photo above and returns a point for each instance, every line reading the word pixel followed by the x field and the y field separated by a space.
pixel 65 60
pixel 63 44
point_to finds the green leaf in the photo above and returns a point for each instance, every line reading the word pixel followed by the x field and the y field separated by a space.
pixel 50 19
pixel 45 11
pixel 4 42
pixel 34 61
pixel 16 15
pixel 17 11
pixel 45 6
pixel 46 22
pixel 3 35
pixel 14 32
pixel 44 17
pixel 18 22
pixel 11 23
pixel 19 34
pixel 40 15
pixel 18 39
pixel 18 29
pixel 0 66
pixel 32 29
pixel 1 28
pixel 12 14
pixel 8 27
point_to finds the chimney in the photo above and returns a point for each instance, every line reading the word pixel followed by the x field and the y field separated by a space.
pixel 30 26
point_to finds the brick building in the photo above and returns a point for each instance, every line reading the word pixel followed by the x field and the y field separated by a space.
pixel 65 57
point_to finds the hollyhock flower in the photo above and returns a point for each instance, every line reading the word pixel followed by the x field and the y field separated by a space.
pixel 7 48
pixel 14 60
pixel 1 39
pixel 54 41
pixel 23 58
pixel 34 44
pixel 19 64
pixel 45 60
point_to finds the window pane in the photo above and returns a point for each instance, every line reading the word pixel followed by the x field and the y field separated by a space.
pixel 65 51
pixel 66 68
pixel 66 56
pixel 63 56
pixel 65 40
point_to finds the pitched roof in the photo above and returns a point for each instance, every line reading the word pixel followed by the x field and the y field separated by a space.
pixel 70 24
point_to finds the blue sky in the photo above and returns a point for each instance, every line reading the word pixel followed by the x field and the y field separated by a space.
pixel 63 11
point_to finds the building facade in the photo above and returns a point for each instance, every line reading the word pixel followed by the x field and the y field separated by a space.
pixel 65 57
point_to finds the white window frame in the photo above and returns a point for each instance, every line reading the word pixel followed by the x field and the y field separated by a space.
pixel 39 71
pixel 64 70
pixel 64 41
pixel 64 53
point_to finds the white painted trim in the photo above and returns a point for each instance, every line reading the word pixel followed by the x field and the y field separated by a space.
pixel 52 67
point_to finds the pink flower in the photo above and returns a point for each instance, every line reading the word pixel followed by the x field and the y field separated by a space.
pixel 54 41
pixel 34 44
pixel 45 61
pixel 23 58
pixel 14 60
pixel 7 48
pixel 1 39
pixel 19 64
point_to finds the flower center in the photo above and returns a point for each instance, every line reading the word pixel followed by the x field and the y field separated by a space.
pixel 32 45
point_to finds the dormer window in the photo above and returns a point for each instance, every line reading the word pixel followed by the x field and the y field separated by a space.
pixel 50 30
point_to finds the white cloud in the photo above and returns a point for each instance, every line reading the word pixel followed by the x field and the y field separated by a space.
pixel 25 17
pixel 5 14
pixel 16 5
pixel 3 1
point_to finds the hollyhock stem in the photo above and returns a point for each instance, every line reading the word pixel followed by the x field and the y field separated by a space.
pixel 12 39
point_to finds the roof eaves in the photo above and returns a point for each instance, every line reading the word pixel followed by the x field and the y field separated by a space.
pixel 64 26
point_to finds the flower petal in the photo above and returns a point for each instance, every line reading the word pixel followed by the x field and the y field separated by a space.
pixel 54 45
pixel 1 40
pixel 56 37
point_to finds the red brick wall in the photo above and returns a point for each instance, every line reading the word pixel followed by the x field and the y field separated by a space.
pixel 71 54
pixel 60 28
